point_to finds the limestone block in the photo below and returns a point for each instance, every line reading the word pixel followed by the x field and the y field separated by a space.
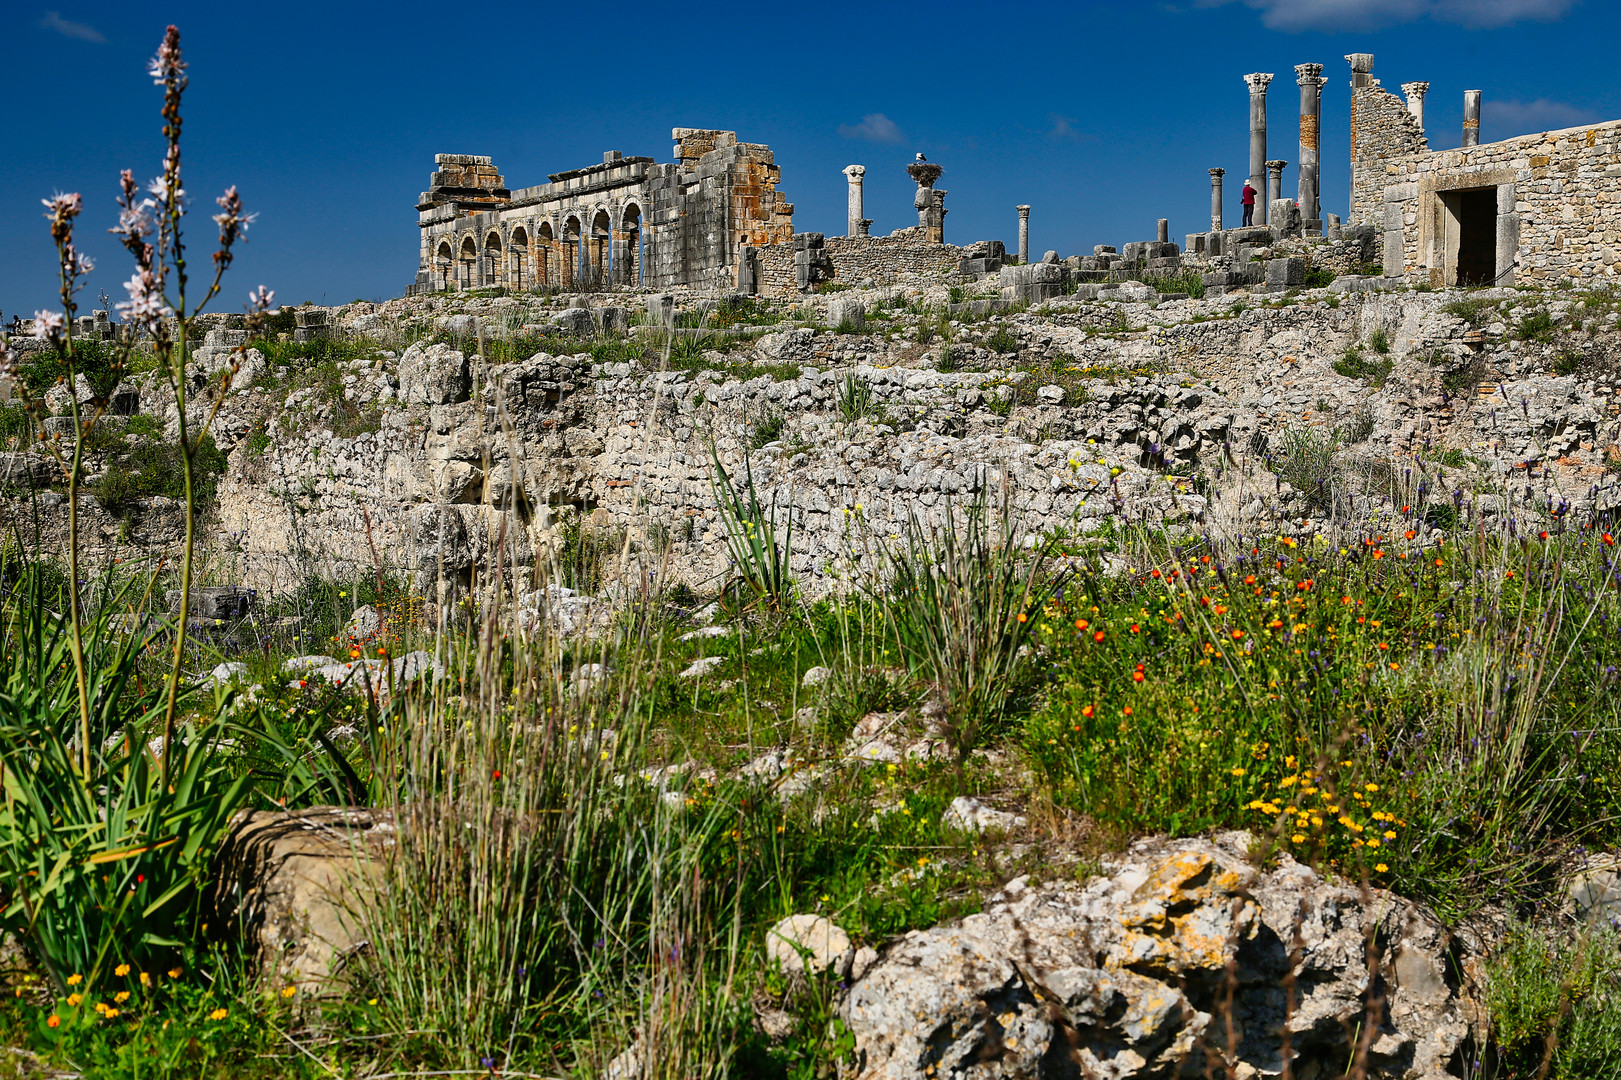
pixel 434 375
pixel 802 944
pixel 293 886
pixel 576 321
pixel 26 470
pixel 842 311
pixel 1285 273
pixel 615 320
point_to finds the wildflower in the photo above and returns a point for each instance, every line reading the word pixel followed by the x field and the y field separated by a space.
pixel 1126 711
pixel 1081 624
pixel 218 1014
pixel 1238 770
pixel 1088 711
pixel 110 1013
pixel 1438 562
pixel 1134 628
pixel 121 970
pixel 174 973
pixel 1022 616
pixel 74 999
pixel 1097 636
pixel 47 324
pixel 1138 676
pixel 1298 838
pixel 167 66
pixel 1237 634
pixel 121 997
pixel 53 1021
pixel 1381 868
pixel 75 980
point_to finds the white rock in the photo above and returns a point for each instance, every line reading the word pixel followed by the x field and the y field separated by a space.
pixel 702 666
pixel 227 673
pixel 816 676
pixel 705 632
pixel 970 815
pixel 808 943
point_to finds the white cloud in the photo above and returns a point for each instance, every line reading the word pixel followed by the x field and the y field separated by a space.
pixel 1507 118
pixel 1361 15
pixel 1063 127
pixel 68 28
pixel 874 127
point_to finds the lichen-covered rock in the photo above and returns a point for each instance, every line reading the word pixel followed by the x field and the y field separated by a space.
pixel 1128 976
pixel 434 375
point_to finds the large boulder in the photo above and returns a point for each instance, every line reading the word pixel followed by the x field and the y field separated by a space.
pixel 1128 976
pixel 293 886
pixel 434 375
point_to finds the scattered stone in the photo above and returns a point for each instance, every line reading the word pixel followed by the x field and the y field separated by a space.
pixel 364 625
pixel 808 944
pixel 703 666
pixel 705 632
pixel 970 815
pixel 816 676
pixel 434 375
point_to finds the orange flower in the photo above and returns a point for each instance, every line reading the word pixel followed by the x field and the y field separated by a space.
pixel 1126 711
pixel 1134 628
pixel 1097 636
pixel 1237 634
pixel 53 1021
pixel 1250 580
pixel 1438 562
pixel 1081 624
pixel 1137 676
pixel 1088 712
pixel 1410 534
pixel 1023 617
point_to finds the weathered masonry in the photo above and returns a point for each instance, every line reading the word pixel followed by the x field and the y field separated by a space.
pixel 627 221
pixel 1535 209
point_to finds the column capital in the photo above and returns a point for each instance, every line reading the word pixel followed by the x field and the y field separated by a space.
pixel 1218 173
pixel 1415 89
pixel 1277 166
pixel 1023 209
pixel 854 172
pixel 1361 63
pixel 1308 74
pixel 1258 81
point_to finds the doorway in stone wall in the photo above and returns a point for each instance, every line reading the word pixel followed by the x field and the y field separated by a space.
pixel 1474 210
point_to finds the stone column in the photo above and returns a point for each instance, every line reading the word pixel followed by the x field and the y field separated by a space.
pixel 1258 83
pixel 856 219
pixel 1415 92
pixel 1309 77
pixel 1274 180
pixel 1471 118
pixel 929 203
pixel 1215 198
pixel 1163 233
pixel 1024 235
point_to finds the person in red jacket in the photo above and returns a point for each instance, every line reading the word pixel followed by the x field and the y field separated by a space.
pixel 1249 203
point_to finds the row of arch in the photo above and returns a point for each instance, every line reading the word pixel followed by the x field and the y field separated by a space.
pixel 588 248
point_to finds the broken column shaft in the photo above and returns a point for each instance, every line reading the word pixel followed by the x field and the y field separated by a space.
pixel 1274 180
pixel 1310 79
pixel 1471 118
pixel 857 223
pixel 1215 198
pixel 1415 92
pixel 1258 83
pixel 1024 234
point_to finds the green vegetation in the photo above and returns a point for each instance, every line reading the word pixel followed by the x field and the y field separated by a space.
pixel 1353 365
pixel 1536 327
pixel 153 468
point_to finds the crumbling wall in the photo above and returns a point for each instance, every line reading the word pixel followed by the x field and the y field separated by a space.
pixel 880 260
pixel 1382 128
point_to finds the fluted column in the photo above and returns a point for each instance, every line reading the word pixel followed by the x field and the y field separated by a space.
pixel 1471 118
pixel 1024 234
pixel 1274 180
pixel 1215 198
pixel 1415 92
pixel 857 222
pixel 1309 77
pixel 1258 83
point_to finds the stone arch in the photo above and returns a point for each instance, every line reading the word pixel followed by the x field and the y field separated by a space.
pixel 518 258
pixel 492 259
pixel 628 245
pixel 444 265
pixel 545 253
pixel 467 259
pixel 573 246
pixel 600 252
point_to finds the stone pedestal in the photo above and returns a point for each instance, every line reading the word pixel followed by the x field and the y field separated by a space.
pixel 1471 118
pixel 1215 198
pixel 857 224
pixel 1163 234
pixel 1309 77
pixel 1258 83
pixel 1024 233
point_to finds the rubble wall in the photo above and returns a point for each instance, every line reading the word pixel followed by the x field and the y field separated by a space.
pixel 1381 129
pixel 875 260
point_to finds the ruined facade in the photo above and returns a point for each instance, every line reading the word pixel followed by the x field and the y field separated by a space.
pixel 1534 209
pixel 627 221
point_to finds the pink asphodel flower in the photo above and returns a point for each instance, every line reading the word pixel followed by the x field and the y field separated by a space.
pixel 47 324
pixel 167 64
pixel 145 303
pixel 261 300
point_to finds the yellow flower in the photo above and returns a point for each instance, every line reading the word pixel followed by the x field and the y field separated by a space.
pixel 218 1014
pixel 1371 787
pixel 174 973
pixel 74 999
pixel 1298 838
pixel 146 980
pixel 121 997
pixel 1238 771
pixel 289 991
pixel 1390 835
pixel 75 980
pixel 121 970
pixel 1373 842
pixel 110 1013
pixel 1381 868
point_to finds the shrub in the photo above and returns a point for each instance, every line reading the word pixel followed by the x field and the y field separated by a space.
pixel 1559 996
pixel 1319 277
pixel 1353 365
pixel 1537 327
pixel 855 399
pixel 155 468
pixel 763 578
pixel 1379 341
pixel 768 429
pixel 1002 340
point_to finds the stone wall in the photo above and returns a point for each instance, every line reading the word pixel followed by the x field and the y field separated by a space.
pixel 878 260
pixel 1557 213
pixel 1381 128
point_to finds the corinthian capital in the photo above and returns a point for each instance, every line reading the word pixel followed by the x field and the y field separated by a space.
pixel 1308 74
pixel 1258 81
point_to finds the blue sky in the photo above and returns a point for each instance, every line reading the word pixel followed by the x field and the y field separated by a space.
pixel 1102 116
